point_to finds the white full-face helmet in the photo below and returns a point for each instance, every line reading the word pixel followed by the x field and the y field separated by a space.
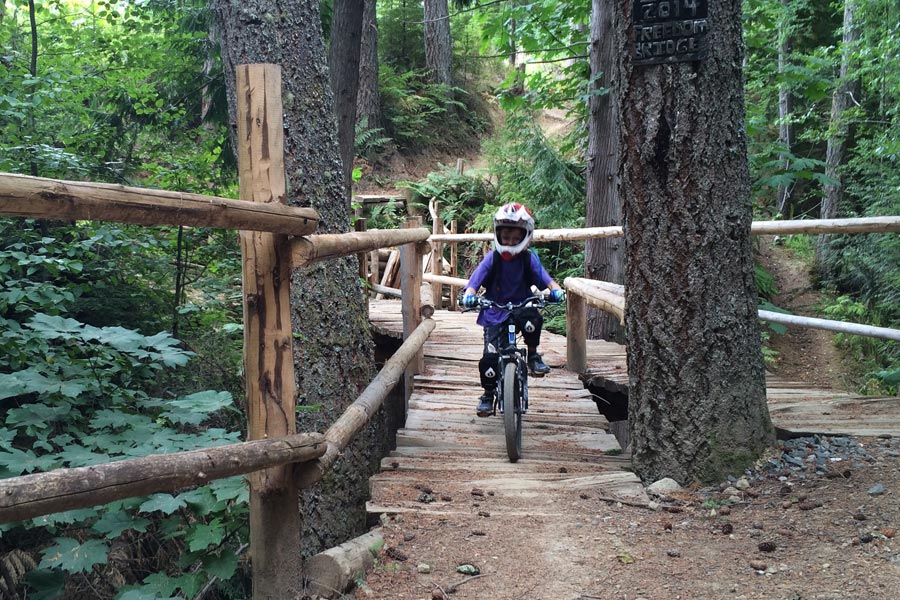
pixel 513 215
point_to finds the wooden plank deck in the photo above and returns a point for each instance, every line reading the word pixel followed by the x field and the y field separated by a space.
pixel 566 442
pixel 445 448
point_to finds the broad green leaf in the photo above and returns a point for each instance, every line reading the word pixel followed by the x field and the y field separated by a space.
pixel 116 418
pixel 142 593
pixel 223 566
pixel 204 403
pixel 32 381
pixel 74 557
pixel 201 537
pixel 25 461
pixel 68 517
pixel 76 455
pixel 165 503
pixel 200 500
pixel 113 523
pixel 45 584
pixel 231 488
pixel 6 437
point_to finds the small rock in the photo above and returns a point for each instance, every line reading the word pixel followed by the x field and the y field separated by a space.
pixel 731 491
pixel 787 504
pixel 653 505
pixel 483 513
pixel 468 569
pixel 806 505
pixel 423 568
pixel 673 553
pixel 860 517
pixel 667 484
pixel 758 565
pixel 446 498
pixel 742 483
pixel 584 496
pixel 437 594
pixel 725 510
pixel 478 532
pixel 757 525
pixel 563 470
pixel 767 547
pixel 727 528
pixel 477 492
pixel 425 497
pixel 865 538
pixel 876 490
pixel 408 537
pixel 785 533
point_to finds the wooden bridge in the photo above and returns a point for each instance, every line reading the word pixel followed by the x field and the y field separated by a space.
pixel 566 441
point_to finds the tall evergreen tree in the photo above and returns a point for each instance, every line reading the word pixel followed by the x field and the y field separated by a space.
pixel 438 43
pixel 697 396
pixel 604 258
pixel 332 352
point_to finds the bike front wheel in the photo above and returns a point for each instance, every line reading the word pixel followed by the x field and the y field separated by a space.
pixel 512 413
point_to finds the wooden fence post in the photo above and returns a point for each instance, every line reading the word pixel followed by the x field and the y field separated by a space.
pixel 410 282
pixel 437 260
pixel 454 253
pixel 576 334
pixel 275 519
pixel 363 258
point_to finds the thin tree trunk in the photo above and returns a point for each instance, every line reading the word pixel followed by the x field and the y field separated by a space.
pixel 842 129
pixel 785 102
pixel 604 258
pixel 368 104
pixel 343 62
pixel 438 45
pixel 697 396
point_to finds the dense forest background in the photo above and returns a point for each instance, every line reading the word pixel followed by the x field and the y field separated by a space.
pixel 120 341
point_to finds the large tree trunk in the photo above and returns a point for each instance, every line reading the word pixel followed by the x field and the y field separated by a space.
pixel 842 128
pixel 438 42
pixel 333 353
pixel 343 62
pixel 368 103
pixel 604 258
pixel 697 396
pixel 785 101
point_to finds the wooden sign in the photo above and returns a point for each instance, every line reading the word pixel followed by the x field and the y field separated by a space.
pixel 669 31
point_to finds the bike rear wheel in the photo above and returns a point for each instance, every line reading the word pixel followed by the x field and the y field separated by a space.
pixel 512 415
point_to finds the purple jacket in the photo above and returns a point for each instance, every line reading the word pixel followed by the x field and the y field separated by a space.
pixel 509 285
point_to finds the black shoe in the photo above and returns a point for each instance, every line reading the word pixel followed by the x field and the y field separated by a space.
pixel 485 405
pixel 536 365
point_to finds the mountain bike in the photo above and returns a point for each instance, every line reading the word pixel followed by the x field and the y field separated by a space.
pixel 511 389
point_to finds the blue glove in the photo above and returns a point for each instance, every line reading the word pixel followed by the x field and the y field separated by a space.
pixel 469 300
pixel 557 296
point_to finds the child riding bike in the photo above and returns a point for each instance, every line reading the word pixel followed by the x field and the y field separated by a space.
pixel 507 275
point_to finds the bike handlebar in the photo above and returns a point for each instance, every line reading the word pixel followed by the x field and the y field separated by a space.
pixel 538 301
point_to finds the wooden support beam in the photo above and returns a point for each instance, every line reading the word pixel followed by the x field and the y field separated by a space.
pixel 601 296
pixel 334 571
pixel 811 226
pixel 275 520
pixel 42 198
pixel 454 265
pixel 39 494
pixel 437 256
pixel 455 281
pixel 829 325
pixel 360 412
pixel 576 334
pixel 309 249
pixel 410 297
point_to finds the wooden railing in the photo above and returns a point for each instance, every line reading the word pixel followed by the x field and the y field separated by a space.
pixel 279 460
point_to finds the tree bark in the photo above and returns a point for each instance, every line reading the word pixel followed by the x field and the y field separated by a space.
pixel 343 62
pixel 368 98
pixel 842 129
pixel 785 102
pixel 438 45
pixel 604 258
pixel 333 353
pixel 697 403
